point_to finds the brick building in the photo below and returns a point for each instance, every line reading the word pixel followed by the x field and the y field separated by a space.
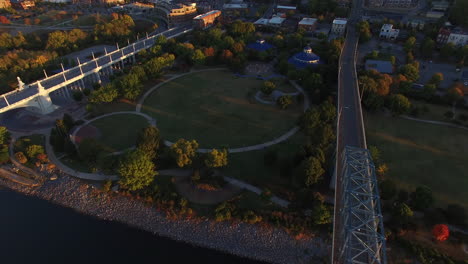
pixel 308 24
pixel 22 4
pixel 206 20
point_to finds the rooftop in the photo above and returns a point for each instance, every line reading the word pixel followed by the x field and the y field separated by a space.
pixel 276 20
pixel 234 6
pixel 340 21
pixel 387 26
pixel 308 21
pixel 379 65
pixel 286 7
pixel 207 14
pixel 261 21
pixel 304 59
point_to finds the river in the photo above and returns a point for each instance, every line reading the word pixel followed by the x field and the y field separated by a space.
pixel 36 231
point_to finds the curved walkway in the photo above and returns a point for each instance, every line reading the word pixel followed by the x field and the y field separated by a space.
pixel 434 122
pixel 151 121
pixel 275 141
pixel 82 175
pixel 235 182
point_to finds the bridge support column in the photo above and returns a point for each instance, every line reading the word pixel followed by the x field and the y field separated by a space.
pixel 98 77
pixel 43 101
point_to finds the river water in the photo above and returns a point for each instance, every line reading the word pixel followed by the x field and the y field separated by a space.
pixel 36 231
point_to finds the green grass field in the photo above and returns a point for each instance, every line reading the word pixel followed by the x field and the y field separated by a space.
pixel 423 154
pixel 214 108
pixel 436 112
pixel 119 132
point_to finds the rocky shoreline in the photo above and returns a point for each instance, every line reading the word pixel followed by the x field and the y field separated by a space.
pixel 252 241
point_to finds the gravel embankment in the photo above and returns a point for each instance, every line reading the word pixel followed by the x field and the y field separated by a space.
pixel 252 241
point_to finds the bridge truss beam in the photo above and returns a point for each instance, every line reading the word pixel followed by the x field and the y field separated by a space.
pixel 362 233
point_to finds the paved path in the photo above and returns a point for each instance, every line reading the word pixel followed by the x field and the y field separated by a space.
pixel 235 182
pixel 151 121
pixel 249 148
pixel 82 175
pixel 434 122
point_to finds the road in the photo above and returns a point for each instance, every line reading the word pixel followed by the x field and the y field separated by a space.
pixel 350 127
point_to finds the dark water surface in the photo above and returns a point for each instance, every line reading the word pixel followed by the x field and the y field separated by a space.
pixel 36 231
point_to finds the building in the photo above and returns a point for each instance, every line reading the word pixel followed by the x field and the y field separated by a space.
pixel 304 59
pixel 339 26
pixel 260 45
pixel 388 32
pixel 5 3
pixel 308 24
pixel 380 66
pixel 398 3
pixel 458 37
pixel 443 35
pixel 416 24
pixel 58 1
pixel 22 4
pixel 276 21
pixel 181 13
pixel 285 9
pixel 233 6
pixel 434 14
pixel 440 6
pixel 206 20
pixel 138 8
pixel 376 3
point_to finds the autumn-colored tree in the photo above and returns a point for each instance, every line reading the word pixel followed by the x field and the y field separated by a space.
pixel 20 157
pixel 184 151
pixel 226 55
pixel 440 232
pixel 216 158
pixel 4 20
pixel 27 21
pixel 42 157
pixel 268 87
pixel 209 52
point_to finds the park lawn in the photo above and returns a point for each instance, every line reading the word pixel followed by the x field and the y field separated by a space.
pixel 215 109
pixel 75 164
pixel 250 167
pixel 422 154
pixel 436 112
pixel 119 132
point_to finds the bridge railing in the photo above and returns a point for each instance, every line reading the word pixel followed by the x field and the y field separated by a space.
pixel 10 99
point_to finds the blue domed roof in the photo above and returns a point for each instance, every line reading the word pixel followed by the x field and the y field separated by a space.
pixel 305 58
pixel 260 45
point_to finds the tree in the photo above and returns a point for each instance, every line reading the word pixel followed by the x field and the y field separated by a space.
pixel 284 101
pixel 4 154
pixel 410 72
pixel 198 57
pixel 33 150
pixel 89 150
pixel 387 189
pixel 427 47
pixel 136 170
pixel 184 151
pixel 268 87
pixel 422 198
pixel 216 158
pixel 4 20
pixel 364 31
pixel 130 86
pixel 402 213
pixel 4 135
pixel 321 214
pixel 21 158
pixel 436 79
pixel 399 104
pixel 313 171
pixel 106 94
pixel 440 232
pixel 409 44
pixel 454 94
pixel 148 141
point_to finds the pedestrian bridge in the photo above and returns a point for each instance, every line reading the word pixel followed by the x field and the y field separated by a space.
pixel 35 96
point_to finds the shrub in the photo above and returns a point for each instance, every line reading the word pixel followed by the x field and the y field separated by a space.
pixel 268 87
pixel 21 158
pixel 440 232
pixel 284 101
pixel 33 150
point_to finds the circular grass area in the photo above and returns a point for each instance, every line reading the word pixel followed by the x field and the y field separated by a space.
pixel 217 109
pixel 118 132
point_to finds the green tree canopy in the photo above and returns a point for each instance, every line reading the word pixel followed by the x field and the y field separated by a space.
pixel 268 87
pixel 89 150
pixel 284 101
pixel 105 94
pixel 4 135
pixel 313 171
pixel 33 150
pixel 422 198
pixel 410 71
pixel 399 104
pixel 148 141
pixel 402 213
pixel 136 170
